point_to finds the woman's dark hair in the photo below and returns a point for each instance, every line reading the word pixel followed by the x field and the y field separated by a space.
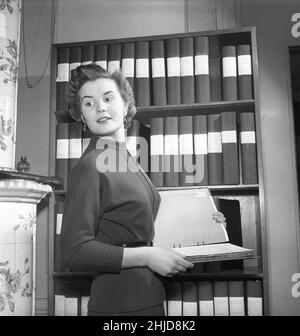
pixel 86 73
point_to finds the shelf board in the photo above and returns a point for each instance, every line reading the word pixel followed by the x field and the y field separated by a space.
pixel 190 275
pixel 250 188
pixel 145 113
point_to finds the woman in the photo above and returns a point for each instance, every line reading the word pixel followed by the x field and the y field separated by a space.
pixel 108 214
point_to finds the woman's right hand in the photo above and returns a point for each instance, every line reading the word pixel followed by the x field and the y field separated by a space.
pixel 164 261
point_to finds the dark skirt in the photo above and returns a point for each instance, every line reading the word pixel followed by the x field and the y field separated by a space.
pixel 151 311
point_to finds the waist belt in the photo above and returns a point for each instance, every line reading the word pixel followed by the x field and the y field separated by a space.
pixel 136 244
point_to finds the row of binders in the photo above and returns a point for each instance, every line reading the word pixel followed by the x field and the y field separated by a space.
pixel 186 298
pixel 214 298
pixel 173 71
pixel 203 150
pixel 71 298
pixel 185 150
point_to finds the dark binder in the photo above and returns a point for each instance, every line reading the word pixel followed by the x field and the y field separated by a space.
pixel 72 298
pixel 248 148
pixel 202 69
pixel 214 148
pixel 128 61
pixel 62 79
pixel 87 54
pixel 174 298
pixel 132 138
pixel 229 73
pixel 173 72
pixel 205 298
pixel 200 149
pixel 171 162
pixel 236 298
pixel 62 152
pixel 185 127
pixel 254 295
pixel 187 70
pixel 114 57
pixel 215 68
pixel 230 148
pixel 245 77
pixel 158 73
pixel 75 57
pixel 221 302
pixel 190 298
pixel 157 151
pixel 101 55
pixel 75 145
pixel 59 207
pixel 142 74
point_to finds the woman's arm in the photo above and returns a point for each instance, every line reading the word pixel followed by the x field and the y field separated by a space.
pixel 162 261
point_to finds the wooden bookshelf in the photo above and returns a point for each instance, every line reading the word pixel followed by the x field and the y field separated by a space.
pixel 251 196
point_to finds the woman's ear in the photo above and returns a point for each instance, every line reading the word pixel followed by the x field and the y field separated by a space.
pixel 82 118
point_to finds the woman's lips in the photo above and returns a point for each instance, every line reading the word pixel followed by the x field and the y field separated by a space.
pixel 103 119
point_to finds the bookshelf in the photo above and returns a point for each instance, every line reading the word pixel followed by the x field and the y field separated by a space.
pixel 249 195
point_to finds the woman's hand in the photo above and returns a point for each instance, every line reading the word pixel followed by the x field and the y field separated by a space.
pixel 219 218
pixel 165 262
pixel 160 260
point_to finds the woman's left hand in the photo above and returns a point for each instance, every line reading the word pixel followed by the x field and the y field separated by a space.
pixel 219 218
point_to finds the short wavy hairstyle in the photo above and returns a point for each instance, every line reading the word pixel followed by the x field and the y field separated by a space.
pixel 90 72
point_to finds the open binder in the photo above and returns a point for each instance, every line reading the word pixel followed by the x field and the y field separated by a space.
pixel 185 223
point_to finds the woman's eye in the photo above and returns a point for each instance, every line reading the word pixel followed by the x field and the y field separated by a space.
pixel 88 104
pixel 109 98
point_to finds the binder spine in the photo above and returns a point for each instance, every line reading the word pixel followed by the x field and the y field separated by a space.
pixel 202 69
pixel 87 54
pixel 244 60
pixel 101 55
pixel 189 302
pixel 187 70
pixel 173 72
pixel 128 68
pixel 171 162
pixel 114 57
pixel 75 145
pixel 215 68
pixel 142 74
pixel 62 79
pixel 230 148
pixel 75 58
pixel 200 149
pixel 229 74
pixel 157 151
pixel 205 298
pixel 62 151
pixel 248 148
pixel 158 73
pixel 186 150
pixel 214 147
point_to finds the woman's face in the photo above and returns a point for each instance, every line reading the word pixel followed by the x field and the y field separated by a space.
pixel 103 109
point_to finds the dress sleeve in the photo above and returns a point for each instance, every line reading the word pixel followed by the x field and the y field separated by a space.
pixel 80 250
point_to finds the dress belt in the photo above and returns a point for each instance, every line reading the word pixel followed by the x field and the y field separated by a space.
pixel 136 244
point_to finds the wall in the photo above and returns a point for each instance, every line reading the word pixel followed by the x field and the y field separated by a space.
pixel 273 22
pixel 94 19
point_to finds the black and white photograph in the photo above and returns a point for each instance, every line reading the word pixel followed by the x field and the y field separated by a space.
pixel 149 161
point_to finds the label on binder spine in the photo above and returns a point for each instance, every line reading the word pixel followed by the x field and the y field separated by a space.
pixel 171 144
pixel 63 70
pixel 128 67
pixel 173 66
pixel 185 144
pixel 157 144
pixel 103 64
pixel 75 149
pixel 214 142
pixel 62 148
pixel 248 137
pixel 58 223
pixel 200 144
pixel 186 66
pixel 113 66
pixel 201 65
pixel 74 65
pixel 229 66
pixel 142 68
pixel 229 137
pixel 244 65
pixel 158 67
